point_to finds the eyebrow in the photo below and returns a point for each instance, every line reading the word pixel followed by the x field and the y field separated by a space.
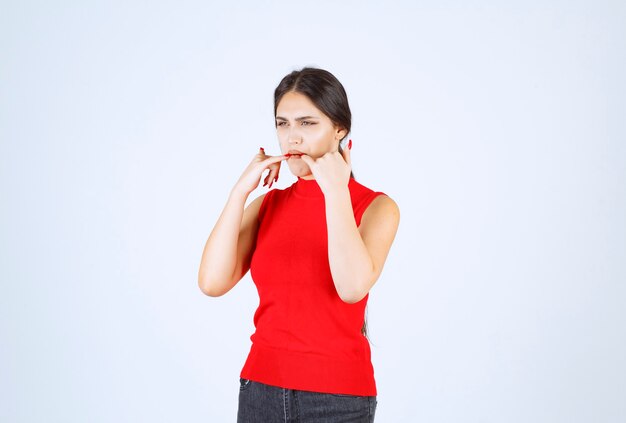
pixel 298 118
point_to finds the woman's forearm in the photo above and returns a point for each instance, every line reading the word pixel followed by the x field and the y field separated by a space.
pixel 219 256
pixel 350 263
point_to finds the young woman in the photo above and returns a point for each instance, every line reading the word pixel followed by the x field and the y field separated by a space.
pixel 314 250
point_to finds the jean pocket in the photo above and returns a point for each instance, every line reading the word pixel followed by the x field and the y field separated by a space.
pixel 243 384
pixel 347 395
pixel 373 405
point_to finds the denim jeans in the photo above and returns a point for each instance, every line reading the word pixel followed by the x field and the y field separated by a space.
pixel 263 403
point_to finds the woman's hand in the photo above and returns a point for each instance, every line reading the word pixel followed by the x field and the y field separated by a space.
pixel 251 177
pixel 332 170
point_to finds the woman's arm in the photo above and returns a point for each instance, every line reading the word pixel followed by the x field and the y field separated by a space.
pixel 357 254
pixel 227 253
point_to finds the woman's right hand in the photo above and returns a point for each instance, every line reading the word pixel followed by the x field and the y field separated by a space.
pixel 251 177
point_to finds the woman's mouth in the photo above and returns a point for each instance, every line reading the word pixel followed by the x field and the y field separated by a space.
pixel 293 155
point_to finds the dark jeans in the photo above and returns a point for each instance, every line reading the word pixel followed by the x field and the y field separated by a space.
pixel 263 403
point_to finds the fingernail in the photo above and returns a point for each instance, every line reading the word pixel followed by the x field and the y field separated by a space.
pixel 350 145
pixel 262 149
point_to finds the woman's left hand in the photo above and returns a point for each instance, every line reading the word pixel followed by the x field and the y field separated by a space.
pixel 331 171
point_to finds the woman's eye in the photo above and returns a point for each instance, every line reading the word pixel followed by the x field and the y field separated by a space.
pixel 304 123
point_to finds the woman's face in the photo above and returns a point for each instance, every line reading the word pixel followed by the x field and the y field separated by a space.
pixel 302 127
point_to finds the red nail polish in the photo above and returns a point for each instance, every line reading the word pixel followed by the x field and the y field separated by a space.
pixel 350 145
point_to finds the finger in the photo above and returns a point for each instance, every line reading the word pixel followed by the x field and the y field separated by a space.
pixel 272 159
pixel 271 177
pixel 271 163
pixel 276 174
pixel 308 160
pixel 346 155
pixel 271 181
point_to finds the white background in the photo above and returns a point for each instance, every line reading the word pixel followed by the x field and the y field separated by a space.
pixel 497 127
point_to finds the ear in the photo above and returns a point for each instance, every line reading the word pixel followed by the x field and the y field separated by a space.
pixel 340 133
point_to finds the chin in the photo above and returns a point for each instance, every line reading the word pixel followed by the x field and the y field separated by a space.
pixel 300 171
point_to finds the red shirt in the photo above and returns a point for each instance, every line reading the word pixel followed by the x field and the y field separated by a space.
pixel 306 336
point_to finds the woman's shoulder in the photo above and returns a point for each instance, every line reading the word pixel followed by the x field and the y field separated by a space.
pixel 365 190
pixel 382 202
pixel 372 202
pixel 359 185
pixel 382 214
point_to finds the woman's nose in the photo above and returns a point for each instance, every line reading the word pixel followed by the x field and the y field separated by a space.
pixel 294 137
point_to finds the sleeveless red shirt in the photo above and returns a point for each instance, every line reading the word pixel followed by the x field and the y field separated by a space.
pixel 306 337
